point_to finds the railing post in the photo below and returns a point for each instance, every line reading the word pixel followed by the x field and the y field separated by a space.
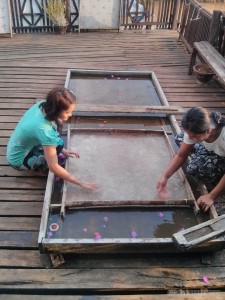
pixel 184 20
pixel 222 35
pixel 215 28
pixel 67 4
pixel 175 14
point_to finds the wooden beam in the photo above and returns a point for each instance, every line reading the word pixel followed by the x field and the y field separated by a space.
pixel 127 203
pixel 129 109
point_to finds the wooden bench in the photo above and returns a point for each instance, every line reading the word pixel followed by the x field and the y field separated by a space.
pixel 211 56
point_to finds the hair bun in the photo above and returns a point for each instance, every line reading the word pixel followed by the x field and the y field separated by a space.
pixel 216 116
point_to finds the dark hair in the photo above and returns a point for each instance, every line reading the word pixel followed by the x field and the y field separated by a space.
pixel 198 120
pixel 58 100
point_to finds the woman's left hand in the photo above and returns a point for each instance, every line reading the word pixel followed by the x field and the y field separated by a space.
pixel 205 202
pixel 69 153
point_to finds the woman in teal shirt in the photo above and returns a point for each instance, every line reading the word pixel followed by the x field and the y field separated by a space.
pixel 35 143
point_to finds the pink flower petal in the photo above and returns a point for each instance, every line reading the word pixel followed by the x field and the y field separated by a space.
pixel 84 229
pixel 206 279
pixel 98 235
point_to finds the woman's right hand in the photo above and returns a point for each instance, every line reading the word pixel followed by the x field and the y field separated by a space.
pixel 162 188
pixel 89 186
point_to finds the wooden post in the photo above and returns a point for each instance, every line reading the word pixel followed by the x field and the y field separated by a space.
pixel 214 28
pixel 222 35
pixel 184 20
pixel 192 62
pixel 175 14
pixel 67 3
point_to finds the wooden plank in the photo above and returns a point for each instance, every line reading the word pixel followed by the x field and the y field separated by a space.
pixel 20 208
pixel 23 259
pixel 198 234
pixel 145 260
pixel 23 195
pixel 3 151
pixel 19 239
pixel 8 112
pixel 22 183
pixel 9 171
pixel 4 141
pixel 10 119
pixel 7 127
pixel 99 280
pixel 128 109
pixel 173 295
pixel 17 223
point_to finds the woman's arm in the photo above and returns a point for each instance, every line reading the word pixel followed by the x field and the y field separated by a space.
pixel 205 201
pixel 176 162
pixel 54 167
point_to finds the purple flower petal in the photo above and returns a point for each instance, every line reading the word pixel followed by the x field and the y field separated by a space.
pixel 217 205
pixel 160 214
pixel 57 179
pixel 84 229
pixel 61 155
pixel 101 125
pixel 134 234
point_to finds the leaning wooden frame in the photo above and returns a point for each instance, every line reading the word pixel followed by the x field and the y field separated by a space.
pixel 128 141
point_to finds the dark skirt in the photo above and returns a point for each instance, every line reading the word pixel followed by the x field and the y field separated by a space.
pixel 205 166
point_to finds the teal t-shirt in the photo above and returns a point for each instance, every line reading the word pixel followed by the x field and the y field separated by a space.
pixel 33 129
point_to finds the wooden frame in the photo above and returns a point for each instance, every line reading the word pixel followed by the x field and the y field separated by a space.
pixel 121 146
pixel 123 245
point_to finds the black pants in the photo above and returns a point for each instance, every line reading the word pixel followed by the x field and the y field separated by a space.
pixel 35 159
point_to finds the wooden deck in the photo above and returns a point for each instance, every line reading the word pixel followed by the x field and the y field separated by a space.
pixel 31 65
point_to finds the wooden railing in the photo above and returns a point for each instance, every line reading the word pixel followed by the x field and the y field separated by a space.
pixel 151 14
pixel 211 1
pixel 29 16
pixel 195 24
pixel 198 24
